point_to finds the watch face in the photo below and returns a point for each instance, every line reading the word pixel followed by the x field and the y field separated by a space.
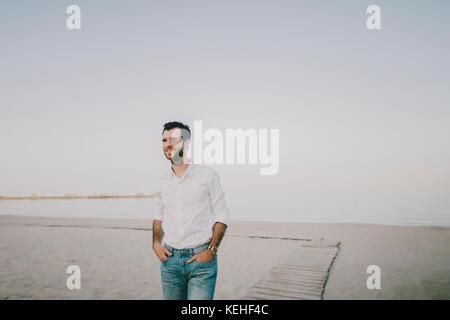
pixel 213 249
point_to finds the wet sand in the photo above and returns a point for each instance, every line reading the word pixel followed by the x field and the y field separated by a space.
pixel 117 262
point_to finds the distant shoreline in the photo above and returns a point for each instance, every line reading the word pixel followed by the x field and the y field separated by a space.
pixel 101 196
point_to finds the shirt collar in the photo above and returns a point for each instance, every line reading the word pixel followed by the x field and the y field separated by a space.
pixel 189 171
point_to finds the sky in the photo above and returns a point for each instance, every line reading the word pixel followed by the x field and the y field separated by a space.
pixel 363 115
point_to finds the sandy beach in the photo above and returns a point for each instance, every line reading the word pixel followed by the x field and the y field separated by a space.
pixel 117 262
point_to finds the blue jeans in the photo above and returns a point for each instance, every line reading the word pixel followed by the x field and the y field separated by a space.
pixel 188 281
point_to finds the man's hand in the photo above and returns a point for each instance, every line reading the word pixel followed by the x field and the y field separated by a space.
pixel 161 252
pixel 205 256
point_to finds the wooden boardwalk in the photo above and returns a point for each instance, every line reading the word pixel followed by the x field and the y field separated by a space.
pixel 300 276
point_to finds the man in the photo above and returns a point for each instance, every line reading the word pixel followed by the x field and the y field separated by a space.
pixel 189 222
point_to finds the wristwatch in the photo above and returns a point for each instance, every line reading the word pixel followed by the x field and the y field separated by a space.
pixel 213 249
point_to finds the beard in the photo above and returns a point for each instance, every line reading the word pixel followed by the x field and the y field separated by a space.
pixel 177 158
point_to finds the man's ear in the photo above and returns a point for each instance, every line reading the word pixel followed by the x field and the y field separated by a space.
pixel 187 144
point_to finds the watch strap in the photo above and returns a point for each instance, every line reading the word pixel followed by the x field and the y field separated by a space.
pixel 213 249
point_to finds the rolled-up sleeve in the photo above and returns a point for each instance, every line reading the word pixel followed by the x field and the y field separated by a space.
pixel 217 195
pixel 158 213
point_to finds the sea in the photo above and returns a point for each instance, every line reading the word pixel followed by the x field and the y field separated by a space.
pixel 142 208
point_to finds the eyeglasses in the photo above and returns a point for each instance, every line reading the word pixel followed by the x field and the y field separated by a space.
pixel 171 139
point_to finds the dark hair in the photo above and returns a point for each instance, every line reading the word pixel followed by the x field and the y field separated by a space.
pixel 175 124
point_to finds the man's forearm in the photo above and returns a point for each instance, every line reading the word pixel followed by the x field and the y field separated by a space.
pixel 158 232
pixel 218 233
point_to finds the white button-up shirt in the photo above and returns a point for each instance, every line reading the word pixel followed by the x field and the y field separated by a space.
pixel 189 207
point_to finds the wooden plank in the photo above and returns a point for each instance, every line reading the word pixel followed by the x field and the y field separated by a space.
pixel 298 282
pixel 317 275
pixel 285 295
pixel 311 274
pixel 301 267
pixel 274 296
pixel 319 265
pixel 310 257
pixel 288 287
pixel 310 251
pixel 294 277
pixel 287 290
pixel 286 283
pixel 296 266
pixel 264 296
pixel 295 280
pixel 300 275
pixel 306 268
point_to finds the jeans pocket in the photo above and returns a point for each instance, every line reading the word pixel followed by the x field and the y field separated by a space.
pixel 209 262
pixel 167 259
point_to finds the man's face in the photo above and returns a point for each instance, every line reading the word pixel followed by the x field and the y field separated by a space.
pixel 172 144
